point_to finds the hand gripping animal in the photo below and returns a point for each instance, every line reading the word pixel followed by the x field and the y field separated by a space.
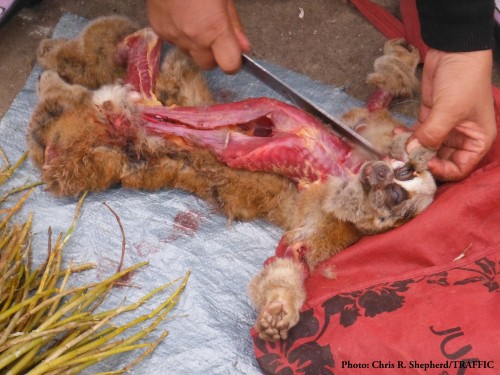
pixel 107 115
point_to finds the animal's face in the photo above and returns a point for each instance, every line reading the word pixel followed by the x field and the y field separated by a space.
pixel 393 193
pixel 382 196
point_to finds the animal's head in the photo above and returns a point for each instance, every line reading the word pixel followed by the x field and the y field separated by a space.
pixel 82 139
pixel 384 195
pixel 394 193
pixel 91 58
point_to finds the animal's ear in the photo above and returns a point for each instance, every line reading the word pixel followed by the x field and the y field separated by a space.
pixel 46 53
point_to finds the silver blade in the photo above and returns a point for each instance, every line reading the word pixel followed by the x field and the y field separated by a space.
pixel 258 71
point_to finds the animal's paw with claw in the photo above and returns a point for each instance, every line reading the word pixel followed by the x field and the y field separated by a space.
pixel 278 316
pixel 279 293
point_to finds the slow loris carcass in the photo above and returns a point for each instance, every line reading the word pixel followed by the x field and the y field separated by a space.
pixel 89 132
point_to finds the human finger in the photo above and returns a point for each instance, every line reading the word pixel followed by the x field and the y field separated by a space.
pixel 203 57
pixel 433 129
pixel 455 166
pixel 227 52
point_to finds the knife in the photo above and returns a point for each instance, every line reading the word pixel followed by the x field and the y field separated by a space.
pixel 271 80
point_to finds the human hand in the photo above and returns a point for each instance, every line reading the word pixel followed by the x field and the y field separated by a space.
pixel 209 31
pixel 457 116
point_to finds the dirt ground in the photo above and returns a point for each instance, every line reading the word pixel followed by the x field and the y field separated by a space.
pixel 327 40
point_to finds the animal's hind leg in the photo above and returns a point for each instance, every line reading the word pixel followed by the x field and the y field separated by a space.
pixel 278 292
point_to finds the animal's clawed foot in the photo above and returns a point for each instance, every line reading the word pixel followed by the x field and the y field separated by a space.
pixel 276 319
pixel 278 292
pixel 49 80
pixel 394 72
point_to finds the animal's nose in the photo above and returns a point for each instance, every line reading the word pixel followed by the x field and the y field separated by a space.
pixel 377 174
pixel 380 172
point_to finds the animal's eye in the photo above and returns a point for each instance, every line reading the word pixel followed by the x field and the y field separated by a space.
pixel 395 194
pixel 404 173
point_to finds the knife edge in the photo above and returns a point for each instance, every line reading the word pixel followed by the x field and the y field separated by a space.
pixel 272 81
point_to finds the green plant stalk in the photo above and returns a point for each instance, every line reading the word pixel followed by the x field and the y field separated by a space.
pixel 110 315
pixel 24 303
pixel 48 282
pixel 10 288
pixel 21 364
pixel 85 316
pixel 96 302
pixel 56 302
pixel 146 353
pixel 13 270
pixel 92 294
pixel 8 253
pixel 35 282
pixel 16 208
pixel 101 333
pixel 73 370
pixel 7 237
pixel 35 335
pixel 46 273
pixel 18 190
pixel 4 176
pixel 42 368
pixel 17 351
pixel 75 218
pixel 51 300
pixel 5 160
pixel 77 291
pixel 14 320
pixel 139 335
pixel 56 357
pixel 108 353
pixel 57 252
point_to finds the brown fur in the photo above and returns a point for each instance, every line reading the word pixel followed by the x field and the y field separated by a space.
pixel 395 70
pixel 181 82
pixel 94 58
pixel 71 141
pixel 90 59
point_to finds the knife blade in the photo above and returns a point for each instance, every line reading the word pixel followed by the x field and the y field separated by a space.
pixel 271 80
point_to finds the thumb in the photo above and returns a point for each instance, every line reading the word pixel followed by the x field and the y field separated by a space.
pixel 432 132
pixel 227 52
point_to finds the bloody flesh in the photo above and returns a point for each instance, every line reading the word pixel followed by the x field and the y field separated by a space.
pixel 258 134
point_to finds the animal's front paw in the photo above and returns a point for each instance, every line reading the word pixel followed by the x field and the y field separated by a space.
pixel 50 81
pixel 411 151
pixel 394 72
pixel 277 317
